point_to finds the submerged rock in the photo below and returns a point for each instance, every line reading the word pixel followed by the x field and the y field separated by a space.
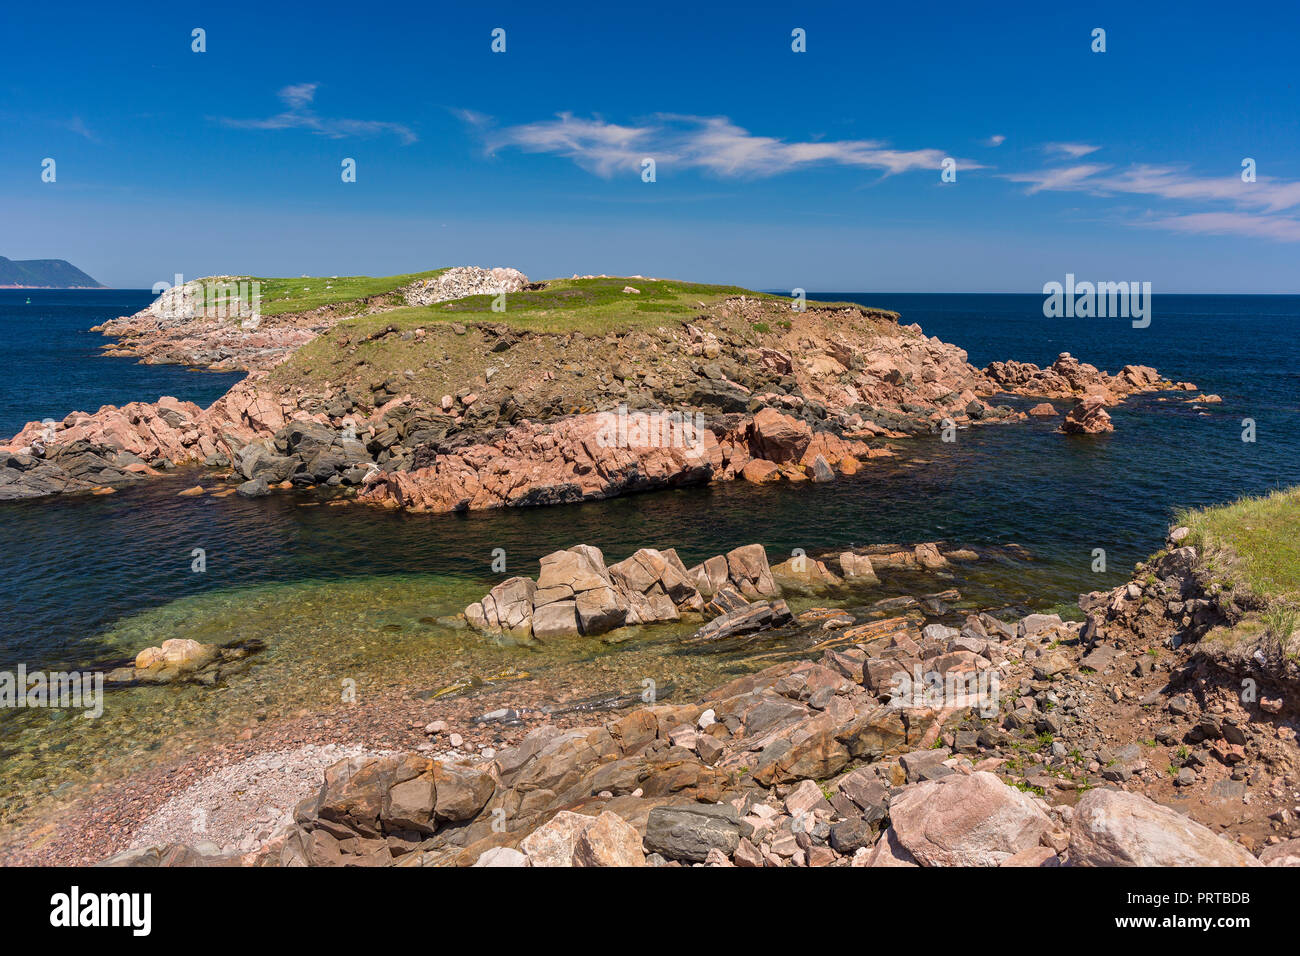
pixel 181 660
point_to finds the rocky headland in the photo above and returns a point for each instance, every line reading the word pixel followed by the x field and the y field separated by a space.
pixel 426 396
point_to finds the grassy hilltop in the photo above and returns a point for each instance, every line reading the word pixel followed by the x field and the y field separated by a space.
pixel 579 330
pixel 287 296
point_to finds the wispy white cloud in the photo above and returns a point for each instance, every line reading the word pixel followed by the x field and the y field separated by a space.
pixel 299 95
pixel 1256 203
pixel 1060 177
pixel 78 125
pixel 1073 150
pixel 1164 182
pixel 1268 194
pixel 997 139
pixel 298 99
pixel 1282 228
pixel 711 143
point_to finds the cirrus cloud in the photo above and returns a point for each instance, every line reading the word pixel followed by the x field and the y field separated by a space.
pixel 298 99
pixel 1257 204
pixel 713 144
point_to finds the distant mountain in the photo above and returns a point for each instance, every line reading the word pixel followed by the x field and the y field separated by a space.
pixel 44 274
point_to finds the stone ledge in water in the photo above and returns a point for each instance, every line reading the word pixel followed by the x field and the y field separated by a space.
pixel 577 594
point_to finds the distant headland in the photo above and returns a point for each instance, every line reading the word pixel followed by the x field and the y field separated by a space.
pixel 43 274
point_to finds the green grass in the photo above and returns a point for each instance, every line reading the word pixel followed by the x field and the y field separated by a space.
pixel 592 306
pixel 563 305
pixel 282 296
pixel 1254 540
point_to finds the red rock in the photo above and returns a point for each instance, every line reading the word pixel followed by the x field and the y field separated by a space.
pixel 779 438
pixel 1088 417
pixel 759 471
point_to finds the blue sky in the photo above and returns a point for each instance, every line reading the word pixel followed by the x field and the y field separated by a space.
pixel 774 169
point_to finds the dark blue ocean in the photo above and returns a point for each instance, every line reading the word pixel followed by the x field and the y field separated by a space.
pixel 69 568
pixel 50 364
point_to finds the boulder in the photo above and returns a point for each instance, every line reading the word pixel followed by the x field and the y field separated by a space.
pixel 554 842
pixel 254 488
pixel 1286 853
pixel 410 805
pixel 501 856
pixel 858 568
pixel 353 795
pixel 689 833
pixel 609 841
pixel 760 471
pixel 557 619
pixel 888 851
pixel 507 608
pixel 1116 828
pixel 959 820
pixel 804 573
pixel 748 569
pixel 460 791
pixel 580 568
pixel 779 438
pixel 758 616
pixel 600 610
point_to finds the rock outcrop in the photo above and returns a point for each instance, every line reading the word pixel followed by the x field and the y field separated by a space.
pixel 183 327
pixel 462 281
pixel 577 594
pixel 1067 377
pixel 593 456
pixel 186 661
pixel 1088 417
pixel 907 742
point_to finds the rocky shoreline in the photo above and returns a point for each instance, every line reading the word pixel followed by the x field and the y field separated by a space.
pixel 1122 739
pixel 744 389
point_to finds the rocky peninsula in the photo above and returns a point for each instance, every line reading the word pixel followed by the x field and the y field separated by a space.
pixel 469 388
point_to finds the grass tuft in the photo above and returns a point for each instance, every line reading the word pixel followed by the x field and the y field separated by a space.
pixel 1253 540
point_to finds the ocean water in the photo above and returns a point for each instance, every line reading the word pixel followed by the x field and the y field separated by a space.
pixel 50 364
pixel 356 591
pixel 70 568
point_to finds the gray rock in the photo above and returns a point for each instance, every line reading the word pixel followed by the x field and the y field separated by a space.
pixel 689 833
pixel 918 761
pixel 851 835
pixel 254 488
pixel 1034 624
pixel 1115 828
